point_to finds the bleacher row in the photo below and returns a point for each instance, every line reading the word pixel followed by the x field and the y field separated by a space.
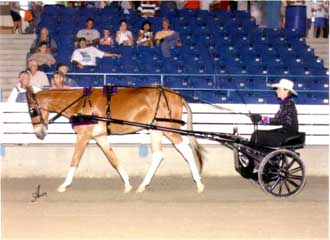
pixel 225 57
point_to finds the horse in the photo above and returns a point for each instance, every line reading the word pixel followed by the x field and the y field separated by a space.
pixel 151 105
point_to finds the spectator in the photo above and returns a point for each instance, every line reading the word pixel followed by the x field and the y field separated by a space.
pixel 309 15
pixel 57 81
pixel 320 9
pixel 36 9
pixel 64 69
pixel 38 78
pixel 147 9
pixel 145 35
pixel 106 39
pixel 194 5
pixel 15 15
pixel 126 6
pixel 91 35
pixel 86 55
pixel 167 38
pixel 123 36
pixel 45 59
pixel 220 5
pixel 44 37
pixel 18 94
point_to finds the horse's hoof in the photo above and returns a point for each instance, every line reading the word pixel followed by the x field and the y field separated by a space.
pixel 140 189
pixel 62 188
pixel 200 188
pixel 128 189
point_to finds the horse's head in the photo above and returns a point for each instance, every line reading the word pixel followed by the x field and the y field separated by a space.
pixel 37 119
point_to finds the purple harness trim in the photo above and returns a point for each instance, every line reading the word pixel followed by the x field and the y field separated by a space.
pixel 87 91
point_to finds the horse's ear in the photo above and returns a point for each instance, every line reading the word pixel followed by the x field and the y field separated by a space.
pixel 29 89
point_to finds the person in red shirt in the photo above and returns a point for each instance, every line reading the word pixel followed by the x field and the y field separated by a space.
pixel 192 5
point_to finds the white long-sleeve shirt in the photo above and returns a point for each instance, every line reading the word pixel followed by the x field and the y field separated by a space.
pixel 18 94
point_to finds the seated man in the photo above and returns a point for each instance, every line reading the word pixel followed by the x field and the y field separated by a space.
pixel 38 78
pixel 86 56
pixel 286 116
pixel 167 39
pixel 18 94
pixel 91 35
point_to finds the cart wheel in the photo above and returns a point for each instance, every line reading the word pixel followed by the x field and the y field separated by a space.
pixel 281 173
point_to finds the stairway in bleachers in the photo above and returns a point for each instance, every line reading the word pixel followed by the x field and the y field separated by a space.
pixel 13 48
pixel 321 48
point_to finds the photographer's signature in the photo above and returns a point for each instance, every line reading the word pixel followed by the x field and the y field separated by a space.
pixel 37 194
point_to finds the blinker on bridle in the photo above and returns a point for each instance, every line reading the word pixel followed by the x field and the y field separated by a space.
pixel 34 111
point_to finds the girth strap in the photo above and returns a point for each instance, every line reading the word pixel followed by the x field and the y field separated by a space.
pixel 108 90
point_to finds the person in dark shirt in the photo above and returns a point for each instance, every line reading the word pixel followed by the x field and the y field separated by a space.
pixel 286 117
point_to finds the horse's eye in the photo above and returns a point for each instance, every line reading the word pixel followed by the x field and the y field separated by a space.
pixel 33 112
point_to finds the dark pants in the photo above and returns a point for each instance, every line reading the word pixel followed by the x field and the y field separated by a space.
pixel 271 138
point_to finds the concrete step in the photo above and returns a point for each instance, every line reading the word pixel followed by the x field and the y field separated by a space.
pixel 15 68
pixel 18 36
pixel 14 52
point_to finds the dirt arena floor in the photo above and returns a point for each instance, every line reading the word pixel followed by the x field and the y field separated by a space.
pixel 230 208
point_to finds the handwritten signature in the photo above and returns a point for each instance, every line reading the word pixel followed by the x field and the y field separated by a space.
pixel 37 194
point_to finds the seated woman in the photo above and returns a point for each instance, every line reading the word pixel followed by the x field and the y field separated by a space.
pixel 286 116
pixel 145 35
pixel 106 39
pixel 45 59
pixel 57 81
pixel 64 69
pixel 123 36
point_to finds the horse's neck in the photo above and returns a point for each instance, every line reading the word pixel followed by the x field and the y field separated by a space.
pixel 57 101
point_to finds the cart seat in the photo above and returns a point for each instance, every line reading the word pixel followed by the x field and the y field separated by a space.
pixel 296 141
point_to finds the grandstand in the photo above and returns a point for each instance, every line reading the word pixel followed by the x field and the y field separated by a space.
pixel 225 56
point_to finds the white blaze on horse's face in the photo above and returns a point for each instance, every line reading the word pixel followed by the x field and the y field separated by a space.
pixel 40 131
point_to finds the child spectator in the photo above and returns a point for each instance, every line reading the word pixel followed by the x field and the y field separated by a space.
pixel 45 59
pixel 18 94
pixel 147 9
pixel 91 35
pixel 123 36
pixel 64 69
pixel 57 81
pixel 38 78
pixel 167 39
pixel 145 35
pixel 106 39
pixel 86 55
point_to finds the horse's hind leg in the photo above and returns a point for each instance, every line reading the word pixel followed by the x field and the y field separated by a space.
pixel 188 155
pixel 112 158
pixel 157 157
pixel 78 152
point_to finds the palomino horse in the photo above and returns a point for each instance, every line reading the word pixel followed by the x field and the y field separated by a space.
pixel 143 105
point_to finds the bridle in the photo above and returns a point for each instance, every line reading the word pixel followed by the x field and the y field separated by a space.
pixel 35 110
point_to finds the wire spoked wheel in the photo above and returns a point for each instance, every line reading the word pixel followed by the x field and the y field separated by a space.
pixel 281 173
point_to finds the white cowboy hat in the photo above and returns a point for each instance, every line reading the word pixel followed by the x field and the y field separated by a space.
pixel 286 84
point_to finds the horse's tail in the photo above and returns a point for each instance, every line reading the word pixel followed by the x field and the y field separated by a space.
pixel 197 148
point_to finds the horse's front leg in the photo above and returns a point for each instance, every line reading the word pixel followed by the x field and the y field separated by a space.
pixel 102 141
pixel 78 152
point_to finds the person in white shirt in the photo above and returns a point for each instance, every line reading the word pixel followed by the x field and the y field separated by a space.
pixel 86 55
pixel 18 94
pixel 123 36
pixel 38 78
pixel 320 9
pixel 91 35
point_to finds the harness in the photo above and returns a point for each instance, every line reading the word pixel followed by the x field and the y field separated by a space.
pixel 108 91
pixel 170 119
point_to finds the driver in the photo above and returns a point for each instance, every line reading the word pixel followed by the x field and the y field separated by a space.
pixel 286 116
